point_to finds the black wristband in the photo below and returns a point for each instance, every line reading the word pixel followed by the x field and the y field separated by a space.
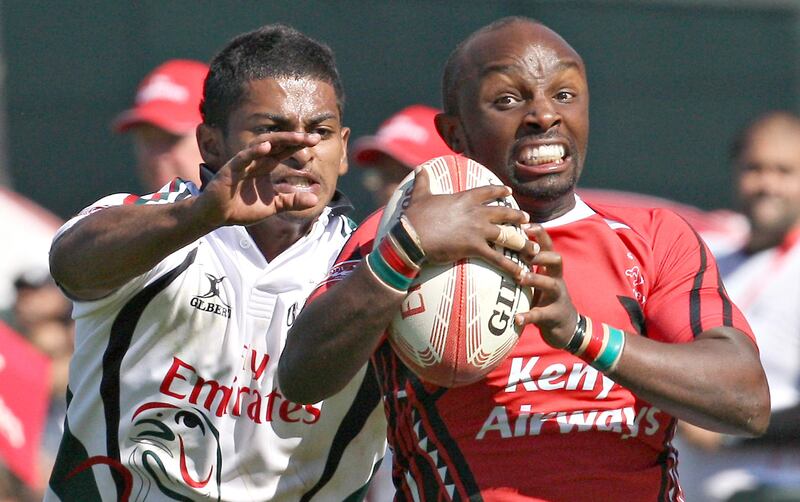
pixel 577 338
pixel 406 238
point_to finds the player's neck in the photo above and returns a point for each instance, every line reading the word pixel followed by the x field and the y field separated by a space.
pixel 542 211
pixel 273 236
pixel 761 239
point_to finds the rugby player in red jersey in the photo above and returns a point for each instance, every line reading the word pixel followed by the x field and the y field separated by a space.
pixel 631 328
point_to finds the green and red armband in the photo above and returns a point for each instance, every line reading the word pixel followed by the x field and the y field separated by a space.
pixel 600 346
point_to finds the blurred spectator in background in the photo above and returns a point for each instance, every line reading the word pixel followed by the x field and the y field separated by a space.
pixel 13 490
pixel 38 301
pixel 405 140
pixel 27 229
pixel 42 314
pixel 763 279
pixel 162 123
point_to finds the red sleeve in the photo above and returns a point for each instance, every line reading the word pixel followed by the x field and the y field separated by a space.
pixel 357 247
pixel 687 296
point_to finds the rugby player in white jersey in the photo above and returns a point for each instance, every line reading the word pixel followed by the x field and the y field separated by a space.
pixel 183 299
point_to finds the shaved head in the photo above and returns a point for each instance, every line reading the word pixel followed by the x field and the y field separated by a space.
pixel 456 63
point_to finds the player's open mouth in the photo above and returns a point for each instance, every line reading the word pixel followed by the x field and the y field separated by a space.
pixel 290 184
pixel 543 154
pixel 540 159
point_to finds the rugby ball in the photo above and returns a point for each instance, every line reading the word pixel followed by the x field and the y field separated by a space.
pixel 456 322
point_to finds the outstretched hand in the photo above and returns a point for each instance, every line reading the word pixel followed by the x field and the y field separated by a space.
pixel 242 192
pixel 552 310
pixel 461 225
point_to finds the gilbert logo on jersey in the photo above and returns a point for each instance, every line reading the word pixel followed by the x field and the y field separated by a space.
pixel 206 302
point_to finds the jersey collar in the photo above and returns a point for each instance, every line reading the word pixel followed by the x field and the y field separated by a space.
pixel 579 212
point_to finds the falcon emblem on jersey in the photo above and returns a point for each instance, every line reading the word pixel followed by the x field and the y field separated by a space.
pixel 636 279
pixel 175 451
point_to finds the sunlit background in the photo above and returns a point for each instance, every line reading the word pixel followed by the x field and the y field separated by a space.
pixel 670 80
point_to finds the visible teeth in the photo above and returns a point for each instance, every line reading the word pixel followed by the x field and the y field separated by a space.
pixel 298 181
pixel 545 154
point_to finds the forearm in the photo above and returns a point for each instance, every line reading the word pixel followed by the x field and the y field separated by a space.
pixel 334 336
pixel 715 382
pixel 110 247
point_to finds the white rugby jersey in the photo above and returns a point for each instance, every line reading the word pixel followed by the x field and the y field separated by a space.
pixel 172 388
pixel 766 286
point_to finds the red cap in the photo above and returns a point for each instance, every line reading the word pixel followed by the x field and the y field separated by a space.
pixel 409 136
pixel 169 98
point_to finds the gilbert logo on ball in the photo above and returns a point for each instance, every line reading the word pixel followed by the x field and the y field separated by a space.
pixel 456 323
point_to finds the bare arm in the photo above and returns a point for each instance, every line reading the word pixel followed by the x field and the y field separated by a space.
pixel 110 247
pixel 335 335
pixel 715 381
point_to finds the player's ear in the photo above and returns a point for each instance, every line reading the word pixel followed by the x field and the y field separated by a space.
pixel 210 140
pixel 343 164
pixel 449 128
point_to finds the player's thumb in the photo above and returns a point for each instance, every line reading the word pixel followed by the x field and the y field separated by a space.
pixel 295 201
pixel 422 183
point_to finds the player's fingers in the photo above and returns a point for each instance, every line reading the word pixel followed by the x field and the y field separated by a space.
pixel 487 194
pixel 533 316
pixel 287 139
pixel 529 252
pixel 294 201
pixel 245 157
pixel 540 313
pixel 499 260
pixel 284 145
pixel 550 262
pixel 505 215
pixel 277 146
pixel 537 232
pixel 545 285
pixel 510 237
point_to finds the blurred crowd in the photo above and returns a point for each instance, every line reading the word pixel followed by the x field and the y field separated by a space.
pixel 757 248
pixel 42 315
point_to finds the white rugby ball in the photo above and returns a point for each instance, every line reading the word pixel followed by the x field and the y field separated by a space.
pixel 456 323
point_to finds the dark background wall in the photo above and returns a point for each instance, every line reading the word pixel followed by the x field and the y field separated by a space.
pixel 670 82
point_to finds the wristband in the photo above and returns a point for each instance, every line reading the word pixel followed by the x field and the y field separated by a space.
pixel 386 273
pixel 610 356
pixel 383 274
pixel 595 346
pixel 601 348
pixel 587 332
pixel 577 338
pixel 407 240
pixel 397 259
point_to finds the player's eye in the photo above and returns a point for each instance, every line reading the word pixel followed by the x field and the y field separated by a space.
pixel 506 101
pixel 565 96
pixel 324 132
pixel 266 128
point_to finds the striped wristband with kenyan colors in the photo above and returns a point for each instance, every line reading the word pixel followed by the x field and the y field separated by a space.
pixel 602 347
pixel 397 260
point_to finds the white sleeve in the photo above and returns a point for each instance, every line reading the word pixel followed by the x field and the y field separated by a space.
pixel 171 192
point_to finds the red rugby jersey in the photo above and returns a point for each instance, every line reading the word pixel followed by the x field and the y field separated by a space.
pixel 544 425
